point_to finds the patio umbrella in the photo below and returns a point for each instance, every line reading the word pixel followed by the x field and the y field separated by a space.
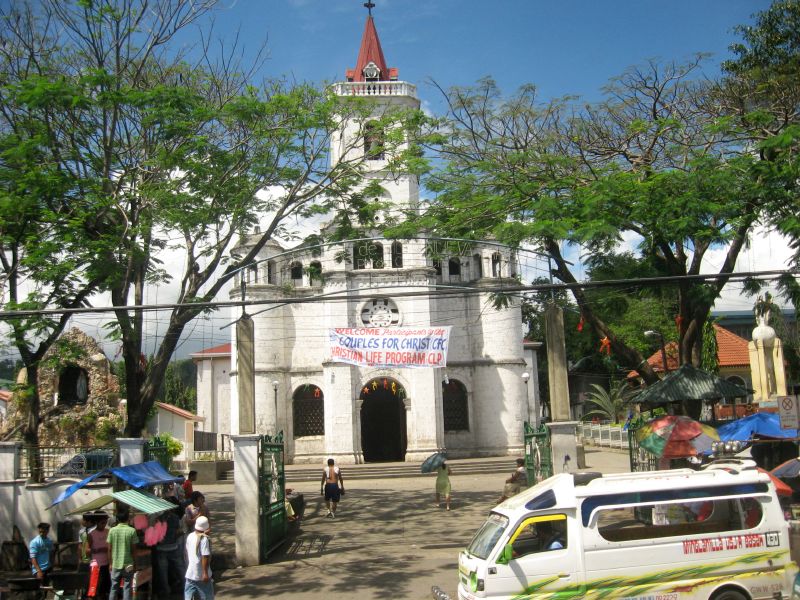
pixel 433 462
pixel 787 470
pixel 674 436
pixel 781 487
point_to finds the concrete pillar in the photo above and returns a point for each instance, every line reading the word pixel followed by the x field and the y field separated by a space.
pixel 557 364
pixel 9 460
pixel 245 493
pixel 245 379
pixel 131 451
pixel 562 429
pixel 564 446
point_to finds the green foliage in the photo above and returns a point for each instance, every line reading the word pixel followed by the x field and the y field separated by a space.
pixel 174 446
pixel 114 150
pixel 180 385
pixel 709 360
pixel 608 404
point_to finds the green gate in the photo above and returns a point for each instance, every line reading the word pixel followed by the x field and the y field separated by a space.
pixel 538 453
pixel 640 459
pixel 272 523
pixel 157 449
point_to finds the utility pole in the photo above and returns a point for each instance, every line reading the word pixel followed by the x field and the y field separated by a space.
pixel 562 427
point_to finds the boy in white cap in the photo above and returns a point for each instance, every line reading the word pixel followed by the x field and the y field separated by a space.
pixel 198 571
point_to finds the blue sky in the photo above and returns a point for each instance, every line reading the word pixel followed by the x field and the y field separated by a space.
pixel 563 47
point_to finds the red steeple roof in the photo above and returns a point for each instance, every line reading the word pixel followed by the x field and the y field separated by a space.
pixel 370 52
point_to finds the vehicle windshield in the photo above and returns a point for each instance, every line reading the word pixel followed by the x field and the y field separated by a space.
pixel 487 536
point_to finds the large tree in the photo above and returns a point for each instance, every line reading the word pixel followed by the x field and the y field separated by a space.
pixel 172 156
pixel 659 163
pixel 760 98
pixel 50 199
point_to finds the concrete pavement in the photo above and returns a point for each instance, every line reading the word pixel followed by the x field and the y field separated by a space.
pixel 388 539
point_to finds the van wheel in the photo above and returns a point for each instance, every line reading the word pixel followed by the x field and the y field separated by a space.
pixel 730 594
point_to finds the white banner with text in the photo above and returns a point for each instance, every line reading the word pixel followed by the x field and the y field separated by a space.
pixel 391 347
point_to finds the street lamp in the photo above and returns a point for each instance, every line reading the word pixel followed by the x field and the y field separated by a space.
pixel 651 334
pixel 275 389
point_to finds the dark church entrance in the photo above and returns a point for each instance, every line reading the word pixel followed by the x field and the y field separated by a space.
pixel 383 421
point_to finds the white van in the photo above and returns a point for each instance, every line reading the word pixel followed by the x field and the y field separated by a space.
pixel 715 534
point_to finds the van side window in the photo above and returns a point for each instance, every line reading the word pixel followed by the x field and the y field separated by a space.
pixel 691 517
pixel 539 535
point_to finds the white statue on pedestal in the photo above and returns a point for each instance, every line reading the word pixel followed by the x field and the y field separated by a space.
pixel 766 355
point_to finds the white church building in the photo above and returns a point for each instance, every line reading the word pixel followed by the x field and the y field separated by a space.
pixel 474 405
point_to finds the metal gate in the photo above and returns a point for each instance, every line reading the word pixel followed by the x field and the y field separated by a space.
pixel 157 449
pixel 272 523
pixel 538 453
pixel 641 459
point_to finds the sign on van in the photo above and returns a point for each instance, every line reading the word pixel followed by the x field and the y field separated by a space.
pixel 788 410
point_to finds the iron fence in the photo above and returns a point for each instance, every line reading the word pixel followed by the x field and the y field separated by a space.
pixel 210 455
pixel 604 434
pixel 41 462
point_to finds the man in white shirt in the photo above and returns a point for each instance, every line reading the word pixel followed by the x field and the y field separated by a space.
pixel 198 553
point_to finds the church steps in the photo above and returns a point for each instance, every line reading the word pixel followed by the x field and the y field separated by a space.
pixel 502 466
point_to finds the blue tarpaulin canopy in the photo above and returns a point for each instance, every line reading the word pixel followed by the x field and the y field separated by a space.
pixel 761 424
pixel 137 476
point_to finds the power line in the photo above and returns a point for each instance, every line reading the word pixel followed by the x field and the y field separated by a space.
pixel 442 291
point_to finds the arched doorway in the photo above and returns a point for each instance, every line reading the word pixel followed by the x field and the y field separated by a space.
pixel 383 421
pixel 73 386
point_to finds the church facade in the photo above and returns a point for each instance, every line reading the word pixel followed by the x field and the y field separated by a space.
pixel 475 406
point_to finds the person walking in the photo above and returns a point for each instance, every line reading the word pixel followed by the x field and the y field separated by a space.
pixel 515 483
pixel 41 552
pixel 198 570
pixel 332 487
pixel 443 485
pixel 121 540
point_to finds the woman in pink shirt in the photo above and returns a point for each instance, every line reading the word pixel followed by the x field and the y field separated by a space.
pixel 98 548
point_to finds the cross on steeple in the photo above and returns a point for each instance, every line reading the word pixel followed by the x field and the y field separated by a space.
pixel 369 5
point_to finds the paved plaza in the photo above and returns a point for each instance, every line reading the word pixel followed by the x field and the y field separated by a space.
pixel 388 539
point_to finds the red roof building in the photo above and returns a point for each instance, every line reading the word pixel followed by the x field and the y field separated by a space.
pixel 732 354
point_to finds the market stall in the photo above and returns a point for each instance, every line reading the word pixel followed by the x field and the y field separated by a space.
pixel 145 508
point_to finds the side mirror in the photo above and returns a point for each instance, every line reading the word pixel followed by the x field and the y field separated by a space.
pixel 506 555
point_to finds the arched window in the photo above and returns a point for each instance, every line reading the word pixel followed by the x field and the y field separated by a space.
pixel 397 255
pixel 252 274
pixel 373 141
pixel 454 406
pixel 496 265
pixel 271 272
pixel 314 272
pixel 454 268
pixel 308 411
pixel 73 386
pixel 296 272
pixel 377 256
pixel 477 270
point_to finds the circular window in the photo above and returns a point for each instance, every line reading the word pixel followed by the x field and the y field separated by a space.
pixel 380 313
